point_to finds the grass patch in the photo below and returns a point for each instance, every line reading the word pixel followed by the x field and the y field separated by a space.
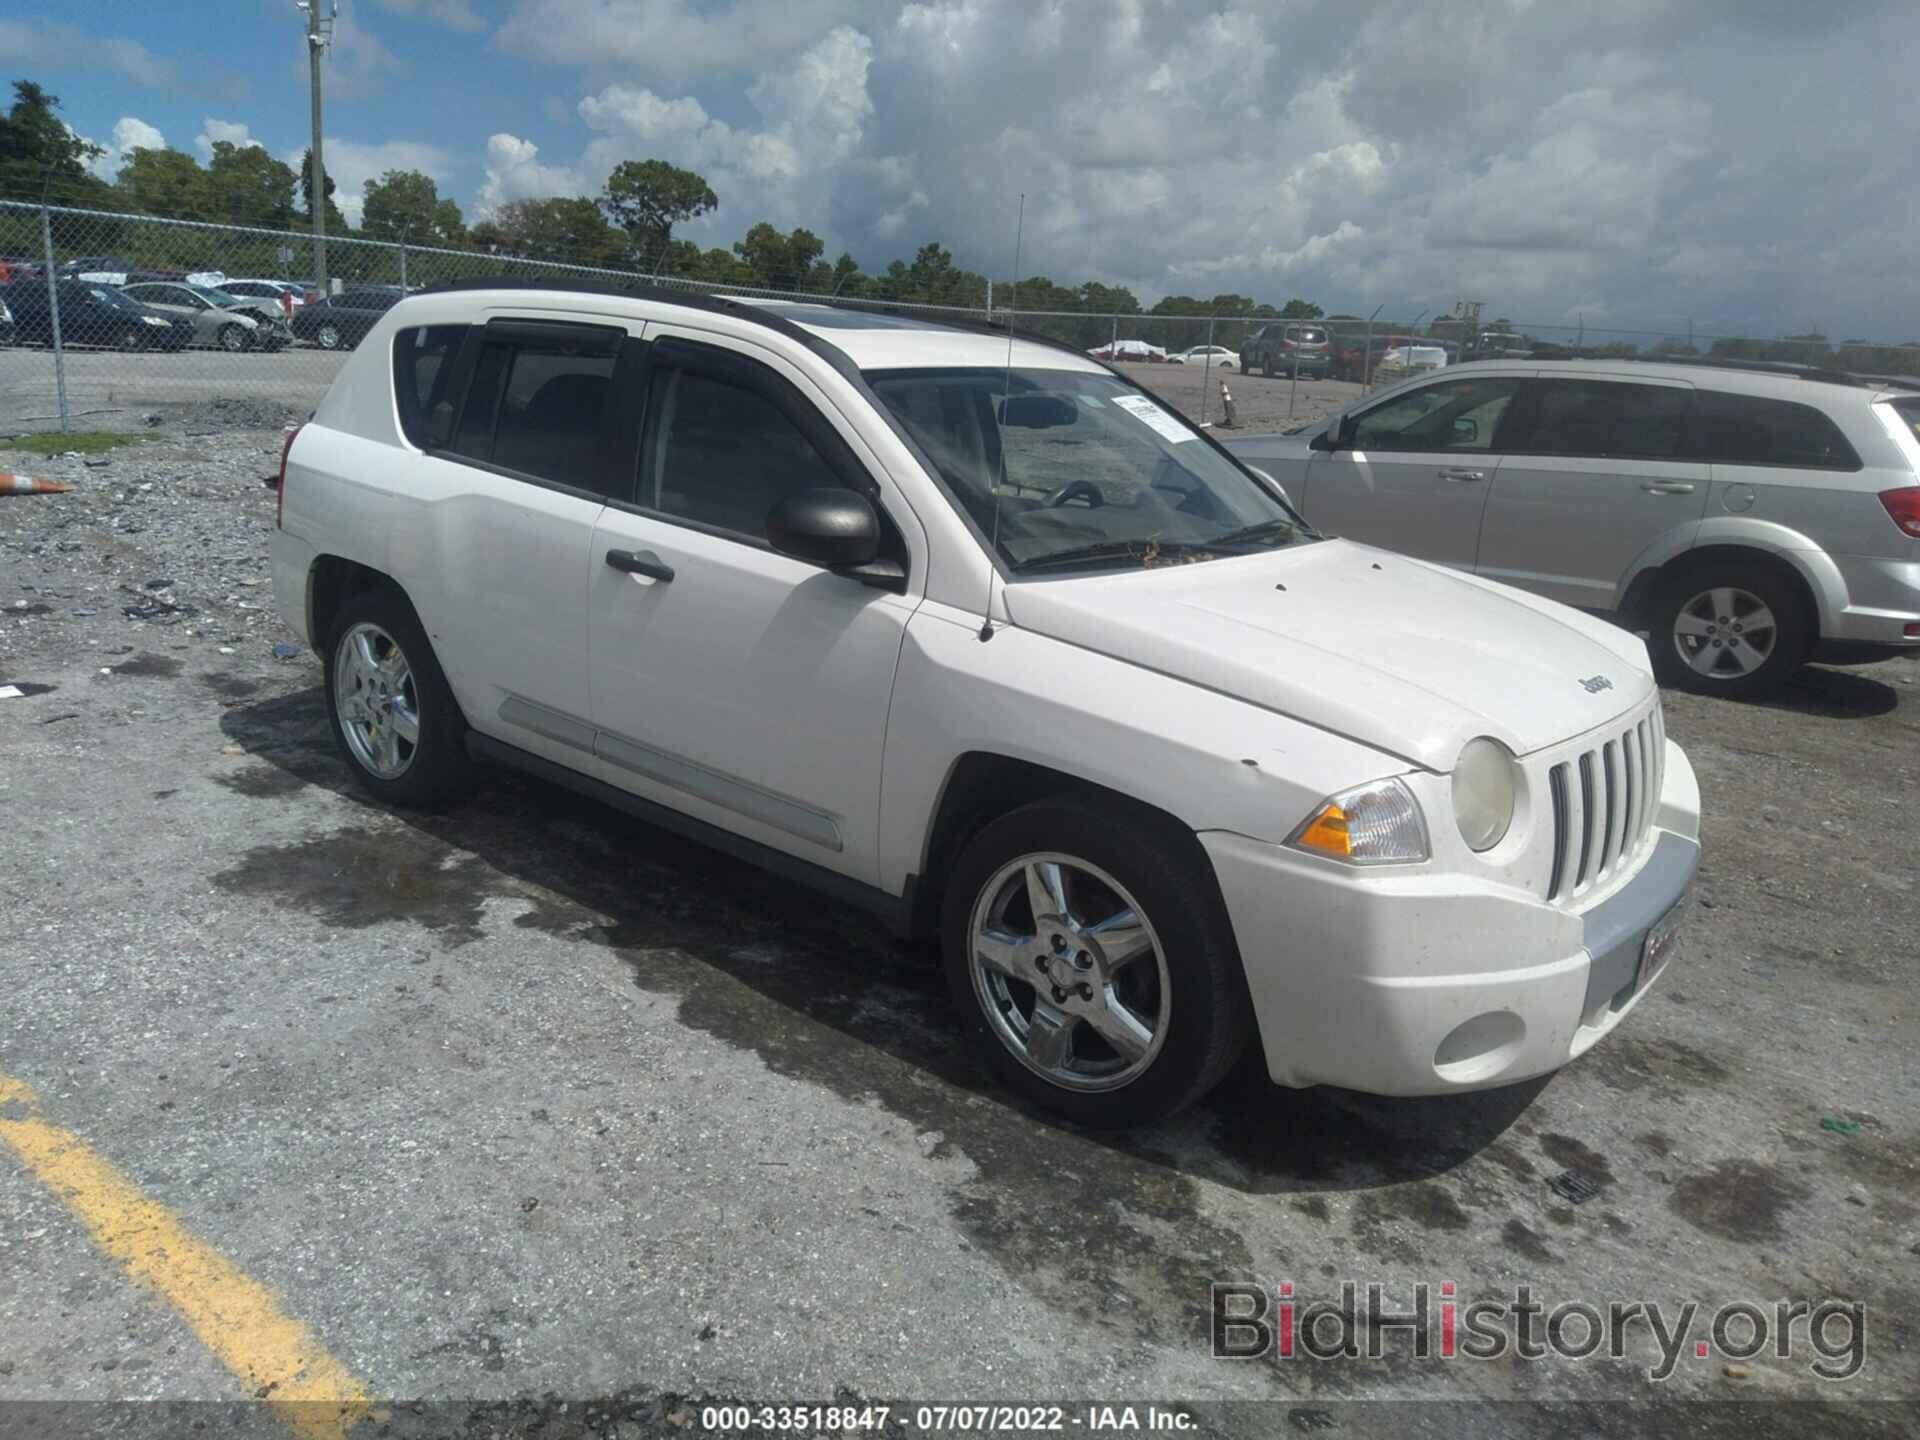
pixel 87 442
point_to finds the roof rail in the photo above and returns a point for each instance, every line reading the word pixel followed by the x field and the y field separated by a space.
pixel 762 314
pixel 714 304
pixel 1788 368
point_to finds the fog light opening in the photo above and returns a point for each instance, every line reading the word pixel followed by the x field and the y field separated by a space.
pixel 1480 1048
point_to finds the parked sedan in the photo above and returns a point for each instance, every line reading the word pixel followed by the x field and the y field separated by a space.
pixel 284 294
pixel 215 318
pixel 1219 356
pixel 339 322
pixel 92 315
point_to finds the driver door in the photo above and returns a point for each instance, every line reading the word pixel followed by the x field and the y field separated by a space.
pixel 1415 470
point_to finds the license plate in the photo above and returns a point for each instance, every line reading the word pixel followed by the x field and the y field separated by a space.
pixel 1662 940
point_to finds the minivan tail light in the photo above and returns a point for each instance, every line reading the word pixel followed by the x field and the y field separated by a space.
pixel 1903 505
pixel 280 491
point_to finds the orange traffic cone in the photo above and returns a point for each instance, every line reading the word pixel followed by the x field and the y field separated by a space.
pixel 26 485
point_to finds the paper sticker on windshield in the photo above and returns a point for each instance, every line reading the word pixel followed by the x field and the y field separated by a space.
pixel 1154 417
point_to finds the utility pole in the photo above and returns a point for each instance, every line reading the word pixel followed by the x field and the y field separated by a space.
pixel 319 36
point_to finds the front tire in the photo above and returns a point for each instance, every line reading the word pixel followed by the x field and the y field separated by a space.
pixel 1093 963
pixel 392 713
pixel 232 339
pixel 1729 629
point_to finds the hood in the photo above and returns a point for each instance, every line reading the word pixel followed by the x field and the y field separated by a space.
pixel 1406 657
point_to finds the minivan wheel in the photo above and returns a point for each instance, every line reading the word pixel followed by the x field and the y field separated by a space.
pixel 1729 629
pixel 391 711
pixel 327 337
pixel 1093 963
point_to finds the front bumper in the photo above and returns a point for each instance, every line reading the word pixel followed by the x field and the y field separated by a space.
pixel 1423 983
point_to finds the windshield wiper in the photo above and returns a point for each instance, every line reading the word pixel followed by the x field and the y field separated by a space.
pixel 1275 529
pixel 1112 550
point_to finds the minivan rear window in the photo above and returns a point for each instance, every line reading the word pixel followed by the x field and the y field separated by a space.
pixel 1754 430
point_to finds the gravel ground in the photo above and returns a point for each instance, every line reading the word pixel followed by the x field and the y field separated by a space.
pixel 528 1102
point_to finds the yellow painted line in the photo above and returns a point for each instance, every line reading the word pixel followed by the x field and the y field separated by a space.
pixel 273 1355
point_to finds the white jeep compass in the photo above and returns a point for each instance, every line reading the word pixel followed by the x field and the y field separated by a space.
pixel 980 634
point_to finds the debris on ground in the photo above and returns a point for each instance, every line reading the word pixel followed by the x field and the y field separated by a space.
pixel 1574 1187
pixel 282 650
pixel 27 485
pixel 1839 1126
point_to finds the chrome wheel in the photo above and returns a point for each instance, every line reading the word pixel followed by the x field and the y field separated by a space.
pixel 377 702
pixel 1069 972
pixel 1725 632
pixel 329 338
pixel 232 338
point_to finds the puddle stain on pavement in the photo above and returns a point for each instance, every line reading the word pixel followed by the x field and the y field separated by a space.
pixel 1114 1231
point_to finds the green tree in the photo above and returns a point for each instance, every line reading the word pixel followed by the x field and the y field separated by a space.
pixel 561 228
pixel 406 205
pixel 336 222
pixel 1298 309
pixel 38 153
pixel 165 182
pixel 247 186
pixel 647 198
pixel 779 262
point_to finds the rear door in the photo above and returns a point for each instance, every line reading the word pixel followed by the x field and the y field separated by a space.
pixel 522 440
pixel 1415 473
pixel 1597 470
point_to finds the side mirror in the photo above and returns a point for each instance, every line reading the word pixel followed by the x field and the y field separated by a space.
pixel 1465 431
pixel 1334 437
pixel 440 424
pixel 836 528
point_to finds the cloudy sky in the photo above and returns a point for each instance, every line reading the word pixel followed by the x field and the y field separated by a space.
pixel 1751 164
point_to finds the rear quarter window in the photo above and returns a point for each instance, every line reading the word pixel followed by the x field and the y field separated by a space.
pixel 1909 411
pixel 423 357
pixel 1756 430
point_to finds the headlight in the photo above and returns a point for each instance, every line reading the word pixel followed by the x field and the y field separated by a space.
pixel 1376 824
pixel 1486 786
pixel 153 320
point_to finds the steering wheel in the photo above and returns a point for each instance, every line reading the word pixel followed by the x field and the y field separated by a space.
pixel 1075 490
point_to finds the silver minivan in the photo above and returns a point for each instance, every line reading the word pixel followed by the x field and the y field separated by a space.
pixel 1749 517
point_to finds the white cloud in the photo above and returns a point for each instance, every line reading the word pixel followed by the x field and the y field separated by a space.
pixel 213 131
pixel 668 39
pixel 514 172
pixel 1652 158
pixel 51 44
pixel 813 112
pixel 129 134
pixel 454 14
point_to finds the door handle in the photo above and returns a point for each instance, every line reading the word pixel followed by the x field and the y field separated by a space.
pixel 1461 477
pixel 640 562
pixel 1663 487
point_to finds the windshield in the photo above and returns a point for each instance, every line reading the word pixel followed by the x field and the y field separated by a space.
pixel 215 296
pixel 1095 472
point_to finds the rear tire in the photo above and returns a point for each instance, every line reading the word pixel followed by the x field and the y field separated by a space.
pixel 327 337
pixel 1729 628
pixel 382 681
pixel 1168 986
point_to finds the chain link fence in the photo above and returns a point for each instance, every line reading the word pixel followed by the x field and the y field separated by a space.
pixel 109 313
